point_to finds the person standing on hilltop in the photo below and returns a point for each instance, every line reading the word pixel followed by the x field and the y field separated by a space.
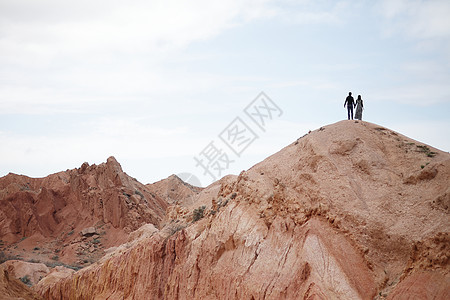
pixel 350 102
pixel 359 108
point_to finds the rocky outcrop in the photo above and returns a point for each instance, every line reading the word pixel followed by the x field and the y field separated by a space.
pixel 30 273
pixel 56 275
pixel 42 214
pixel 241 261
pixel 89 231
pixel 12 288
pixel 350 211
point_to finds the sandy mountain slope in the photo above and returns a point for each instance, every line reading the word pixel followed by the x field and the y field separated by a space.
pixel 350 211
pixel 71 217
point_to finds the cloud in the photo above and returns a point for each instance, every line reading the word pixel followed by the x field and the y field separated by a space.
pixel 425 26
pixel 79 56
pixel 57 55
pixel 309 12
pixel 137 27
pixel 417 18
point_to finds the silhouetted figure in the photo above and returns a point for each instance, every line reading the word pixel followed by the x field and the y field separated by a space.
pixel 359 108
pixel 350 102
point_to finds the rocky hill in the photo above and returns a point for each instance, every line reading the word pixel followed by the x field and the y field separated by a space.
pixel 71 217
pixel 352 210
pixel 174 190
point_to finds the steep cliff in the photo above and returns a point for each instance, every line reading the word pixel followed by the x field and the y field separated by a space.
pixel 350 211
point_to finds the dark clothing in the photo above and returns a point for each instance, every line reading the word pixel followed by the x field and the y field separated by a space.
pixel 350 112
pixel 350 102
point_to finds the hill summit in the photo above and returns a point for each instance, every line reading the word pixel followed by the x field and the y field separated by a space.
pixel 351 210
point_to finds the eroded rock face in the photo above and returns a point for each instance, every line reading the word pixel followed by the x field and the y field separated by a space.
pixel 331 216
pixel 55 275
pixel 12 288
pixel 238 262
pixel 39 216
pixel 31 273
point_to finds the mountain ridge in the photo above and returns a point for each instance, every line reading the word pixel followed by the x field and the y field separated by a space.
pixel 50 213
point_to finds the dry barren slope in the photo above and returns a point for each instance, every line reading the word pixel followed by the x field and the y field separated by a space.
pixel 350 211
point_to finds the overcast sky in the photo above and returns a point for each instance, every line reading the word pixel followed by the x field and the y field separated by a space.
pixel 159 84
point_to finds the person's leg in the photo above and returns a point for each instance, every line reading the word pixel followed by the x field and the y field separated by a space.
pixel 351 108
pixel 348 113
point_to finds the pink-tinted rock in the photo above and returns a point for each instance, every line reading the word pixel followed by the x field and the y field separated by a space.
pixel 22 269
pixel 330 216
pixel 12 288
pixel 45 212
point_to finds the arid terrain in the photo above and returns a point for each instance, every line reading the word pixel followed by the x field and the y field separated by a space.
pixel 351 210
pixel 71 217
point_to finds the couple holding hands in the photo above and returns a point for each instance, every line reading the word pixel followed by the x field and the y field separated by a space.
pixel 350 102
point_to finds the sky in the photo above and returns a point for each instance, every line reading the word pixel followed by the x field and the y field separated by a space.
pixel 206 88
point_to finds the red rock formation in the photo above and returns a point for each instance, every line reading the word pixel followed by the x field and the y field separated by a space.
pixel 423 285
pixel 51 212
pixel 240 262
pixel 350 211
pixel 33 272
pixel 12 289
